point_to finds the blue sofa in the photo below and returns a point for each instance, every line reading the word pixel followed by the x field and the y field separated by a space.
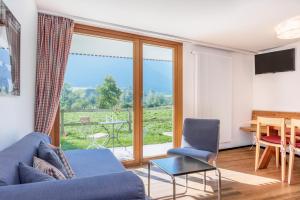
pixel 99 175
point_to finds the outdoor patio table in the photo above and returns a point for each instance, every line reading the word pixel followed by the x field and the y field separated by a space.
pixel 113 134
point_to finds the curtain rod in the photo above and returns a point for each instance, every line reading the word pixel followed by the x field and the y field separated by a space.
pixel 103 24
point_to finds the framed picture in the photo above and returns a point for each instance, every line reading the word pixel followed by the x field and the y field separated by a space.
pixel 10 30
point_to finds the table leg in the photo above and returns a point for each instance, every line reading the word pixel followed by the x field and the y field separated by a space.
pixel 253 141
pixel 219 185
pixel 117 131
pixel 149 166
pixel 266 157
pixel 113 139
pixel 174 187
pixel 186 183
pixel 204 181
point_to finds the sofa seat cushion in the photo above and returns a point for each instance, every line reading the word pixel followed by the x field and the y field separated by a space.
pixel 2 183
pixel 93 162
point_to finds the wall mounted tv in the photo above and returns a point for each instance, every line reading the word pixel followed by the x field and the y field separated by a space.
pixel 277 61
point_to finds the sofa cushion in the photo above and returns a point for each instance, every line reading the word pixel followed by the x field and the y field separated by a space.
pixel 47 168
pixel 64 160
pixel 46 153
pixel 93 162
pixel 21 151
pixel 29 174
pixel 2 183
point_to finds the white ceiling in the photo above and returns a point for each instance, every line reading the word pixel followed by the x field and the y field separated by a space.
pixel 241 24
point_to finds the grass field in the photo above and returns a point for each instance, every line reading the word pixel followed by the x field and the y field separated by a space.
pixel 156 122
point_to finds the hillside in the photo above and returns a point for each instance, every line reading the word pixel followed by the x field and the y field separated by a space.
pixel 90 71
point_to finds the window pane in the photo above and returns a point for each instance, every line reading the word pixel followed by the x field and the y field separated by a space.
pixel 97 97
pixel 157 100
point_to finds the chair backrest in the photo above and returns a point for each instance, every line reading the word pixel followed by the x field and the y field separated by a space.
pixel 270 122
pixel 202 134
pixel 85 120
pixel 295 124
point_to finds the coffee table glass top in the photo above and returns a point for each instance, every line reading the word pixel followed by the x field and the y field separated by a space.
pixel 181 165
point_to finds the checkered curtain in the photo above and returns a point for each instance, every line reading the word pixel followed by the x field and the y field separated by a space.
pixel 54 41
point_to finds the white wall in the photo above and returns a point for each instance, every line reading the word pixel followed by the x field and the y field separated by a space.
pixel 17 112
pixel 278 91
pixel 239 97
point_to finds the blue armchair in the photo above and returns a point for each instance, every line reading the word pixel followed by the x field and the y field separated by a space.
pixel 200 139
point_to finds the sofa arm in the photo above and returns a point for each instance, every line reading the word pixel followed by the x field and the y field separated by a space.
pixel 116 186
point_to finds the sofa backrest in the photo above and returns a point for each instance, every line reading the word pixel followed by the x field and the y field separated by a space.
pixel 21 151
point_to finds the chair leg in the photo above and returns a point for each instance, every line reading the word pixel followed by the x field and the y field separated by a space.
pixel 291 165
pixel 277 150
pixel 215 165
pixel 257 155
pixel 283 163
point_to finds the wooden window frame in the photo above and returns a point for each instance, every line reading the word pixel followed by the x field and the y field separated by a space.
pixel 138 41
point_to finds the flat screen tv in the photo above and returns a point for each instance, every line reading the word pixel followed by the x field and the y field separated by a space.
pixel 277 61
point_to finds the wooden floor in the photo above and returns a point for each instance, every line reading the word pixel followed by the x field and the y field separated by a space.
pixel 239 180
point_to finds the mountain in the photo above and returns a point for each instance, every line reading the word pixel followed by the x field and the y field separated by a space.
pixel 5 72
pixel 89 71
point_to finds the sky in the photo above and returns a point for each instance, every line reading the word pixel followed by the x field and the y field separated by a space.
pixel 90 71
pixel 93 58
pixel 84 44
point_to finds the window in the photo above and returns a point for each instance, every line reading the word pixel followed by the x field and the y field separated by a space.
pixel 121 91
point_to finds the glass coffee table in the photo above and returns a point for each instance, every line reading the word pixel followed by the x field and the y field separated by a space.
pixel 182 165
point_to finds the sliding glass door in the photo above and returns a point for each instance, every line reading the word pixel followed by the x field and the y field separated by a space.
pixel 158 123
pixel 123 92
pixel 97 97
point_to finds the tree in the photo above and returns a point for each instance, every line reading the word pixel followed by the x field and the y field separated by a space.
pixel 154 99
pixel 91 98
pixel 127 98
pixel 81 103
pixel 68 97
pixel 108 93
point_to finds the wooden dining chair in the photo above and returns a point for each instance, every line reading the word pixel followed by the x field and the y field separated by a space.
pixel 278 141
pixel 294 146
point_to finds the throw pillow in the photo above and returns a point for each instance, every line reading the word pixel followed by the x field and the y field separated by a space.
pixel 2 183
pixel 30 175
pixel 64 160
pixel 47 168
pixel 47 153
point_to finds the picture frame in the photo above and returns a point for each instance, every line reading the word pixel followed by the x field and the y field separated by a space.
pixel 10 33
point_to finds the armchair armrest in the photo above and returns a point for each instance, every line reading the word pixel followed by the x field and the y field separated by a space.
pixel 125 185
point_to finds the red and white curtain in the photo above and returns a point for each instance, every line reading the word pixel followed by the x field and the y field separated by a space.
pixel 54 41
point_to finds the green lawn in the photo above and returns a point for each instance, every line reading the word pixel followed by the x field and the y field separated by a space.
pixel 156 122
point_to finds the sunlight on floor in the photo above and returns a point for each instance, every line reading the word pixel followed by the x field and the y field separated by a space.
pixel 161 186
pixel 245 178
